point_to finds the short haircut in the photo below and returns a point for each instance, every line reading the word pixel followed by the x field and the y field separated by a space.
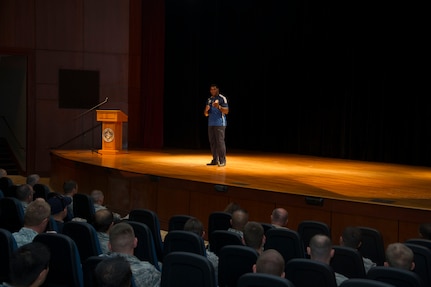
pixel 27 262
pixel 3 172
pixel 270 262
pixel 32 179
pixel 69 186
pixel 352 236
pixel 231 207
pixel 253 234
pixel 23 191
pixel 320 247
pixel 121 237
pixel 398 255
pixel 239 218
pixel 96 195
pixel 425 230
pixel 194 225
pixel 279 215
pixel 36 212
pixel 214 85
pixel 114 272
pixel 103 219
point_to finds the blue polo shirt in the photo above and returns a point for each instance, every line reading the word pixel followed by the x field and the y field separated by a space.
pixel 215 116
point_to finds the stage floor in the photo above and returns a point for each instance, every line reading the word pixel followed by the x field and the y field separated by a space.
pixel 358 181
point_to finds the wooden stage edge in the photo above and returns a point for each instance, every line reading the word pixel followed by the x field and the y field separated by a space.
pixel 393 198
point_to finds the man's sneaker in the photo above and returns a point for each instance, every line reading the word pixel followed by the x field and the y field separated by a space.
pixel 212 163
pixel 222 164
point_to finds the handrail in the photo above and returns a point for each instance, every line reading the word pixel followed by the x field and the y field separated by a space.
pixel 77 136
pixel 11 132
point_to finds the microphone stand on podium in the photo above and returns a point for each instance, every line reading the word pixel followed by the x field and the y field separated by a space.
pixel 92 129
pixel 86 131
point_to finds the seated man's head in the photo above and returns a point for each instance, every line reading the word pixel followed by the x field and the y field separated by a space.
pixel 231 207
pixel 351 237
pixel 70 188
pixel 3 172
pixel 270 262
pixel 29 265
pixel 37 215
pixel 122 238
pixel 239 219
pixel 320 248
pixel 114 272
pixel 254 235
pixel 24 192
pixel 194 225
pixel 425 231
pixel 32 179
pixel 279 217
pixel 97 196
pixel 59 205
pixel 103 220
pixel 398 255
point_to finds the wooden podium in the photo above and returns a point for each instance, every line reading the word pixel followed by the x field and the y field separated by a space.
pixel 112 130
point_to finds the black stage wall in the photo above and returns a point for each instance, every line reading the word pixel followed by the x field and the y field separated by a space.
pixel 339 79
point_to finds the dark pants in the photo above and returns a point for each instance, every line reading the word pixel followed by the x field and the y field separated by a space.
pixel 217 143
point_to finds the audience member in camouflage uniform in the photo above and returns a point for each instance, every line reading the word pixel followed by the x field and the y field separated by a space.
pixel 122 242
pixel 195 225
pixel 103 221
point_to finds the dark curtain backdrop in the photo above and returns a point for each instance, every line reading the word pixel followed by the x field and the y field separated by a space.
pixel 152 74
pixel 342 79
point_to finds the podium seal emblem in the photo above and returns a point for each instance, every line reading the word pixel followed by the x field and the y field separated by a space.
pixel 108 135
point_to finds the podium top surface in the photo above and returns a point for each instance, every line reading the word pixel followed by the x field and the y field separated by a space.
pixel 111 116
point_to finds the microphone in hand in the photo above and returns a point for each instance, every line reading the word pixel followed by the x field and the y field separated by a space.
pixel 207 107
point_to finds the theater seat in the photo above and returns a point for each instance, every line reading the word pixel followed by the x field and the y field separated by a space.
pixel 85 237
pixel 177 222
pixel 263 280
pixel 218 220
pixel 7 247
pixel 150 218
pixel 372 246
pixel 348 261
pixel 395 276
pixel 187 269
pixel 235 261
pixel 41 191
pixel 65 265
pixel 363 282
pixel 180 240
pixel 307 272
pixel 12 214
pixel 221 238
pixel 83 207
pixel 285 241
pixel 422 259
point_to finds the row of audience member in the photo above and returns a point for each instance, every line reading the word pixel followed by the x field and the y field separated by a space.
pixel 118 240
pixel 398 255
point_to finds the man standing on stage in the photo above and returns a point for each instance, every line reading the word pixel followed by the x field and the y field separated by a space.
pixel 216 110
